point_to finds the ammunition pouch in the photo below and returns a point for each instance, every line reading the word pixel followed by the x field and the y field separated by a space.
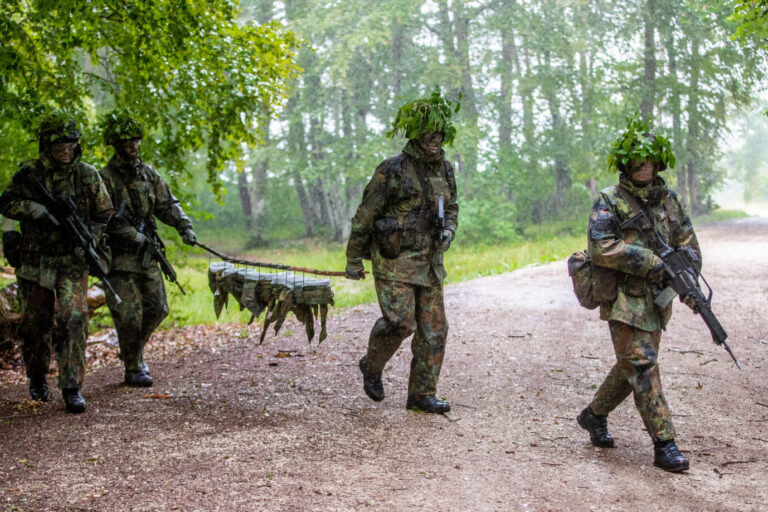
pixel 12 247
pixel 387 237
pixel 634 286
pixel 105 255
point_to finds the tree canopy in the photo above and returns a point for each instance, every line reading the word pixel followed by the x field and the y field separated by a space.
pixel 187 70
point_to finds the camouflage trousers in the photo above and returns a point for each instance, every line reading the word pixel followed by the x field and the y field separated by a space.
pixel 57 317
pixel 636 371
pixel 405 309
pixel 142 309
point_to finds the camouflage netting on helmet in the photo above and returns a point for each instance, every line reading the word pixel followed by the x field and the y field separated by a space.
pixel 58 126
pixel 426 115
pixel 119 126
pixel 276 293
pixel 639 143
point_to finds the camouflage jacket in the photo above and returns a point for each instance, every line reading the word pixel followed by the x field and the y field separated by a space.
pixel 45 248
pixel 405 188
pixel 139 195
pixel 628 251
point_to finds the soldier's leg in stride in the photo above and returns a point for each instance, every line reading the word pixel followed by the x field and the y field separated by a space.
pixel 69 336
pixel 154 308
pixel 71 329
pixel 37 306
pixel 397 303
pixel 398 307
pixel 428 347
pixel 637 353
pixel 128 323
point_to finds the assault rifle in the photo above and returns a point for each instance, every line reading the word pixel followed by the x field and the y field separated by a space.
pixel 155 248
pixel 62 213
pixel 682 277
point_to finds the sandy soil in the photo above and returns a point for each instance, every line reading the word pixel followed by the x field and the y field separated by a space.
pixel 231 425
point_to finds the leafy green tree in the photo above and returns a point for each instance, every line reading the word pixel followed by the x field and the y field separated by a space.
pixel 192 74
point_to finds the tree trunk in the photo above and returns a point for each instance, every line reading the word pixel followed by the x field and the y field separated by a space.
pixel 245 198
pixel 674 106
pixel 649 57
pixel 692 142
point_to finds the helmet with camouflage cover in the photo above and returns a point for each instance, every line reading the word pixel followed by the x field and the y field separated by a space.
pixel 638 142
pixel 58 126
pixel 426 115
pixel 120 126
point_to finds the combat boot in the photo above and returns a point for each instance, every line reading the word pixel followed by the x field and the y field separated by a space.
pixel 427 403
pixel 372 384
pixel 137 379
pixel 73 400
pixel 38 388
pixel 597 426
pixel 668 457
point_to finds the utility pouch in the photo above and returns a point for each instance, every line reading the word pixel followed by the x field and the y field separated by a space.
pixel 12 247
pixel 387 235
pixel 592 285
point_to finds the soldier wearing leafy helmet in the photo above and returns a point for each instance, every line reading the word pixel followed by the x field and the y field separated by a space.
pixel 398 227
pixel 140 195
pixel 635 321
pixel 52 271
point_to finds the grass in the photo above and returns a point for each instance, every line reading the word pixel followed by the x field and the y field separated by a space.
pixel 462 263
pixel 720 215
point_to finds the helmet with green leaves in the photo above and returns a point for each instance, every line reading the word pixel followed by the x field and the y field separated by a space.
pixel 426 115
pixel 638 142
pixel 58 126
pixel 119 126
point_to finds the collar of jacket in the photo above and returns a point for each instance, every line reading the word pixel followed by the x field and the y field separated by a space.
pixel 414 151
pixel 652 195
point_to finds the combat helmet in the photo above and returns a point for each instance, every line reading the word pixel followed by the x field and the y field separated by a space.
pixel 638 142
pixel 58 126
pixel 119 126
pixel 426 115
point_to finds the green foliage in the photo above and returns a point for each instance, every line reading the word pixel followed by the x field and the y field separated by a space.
pixel 192 73
pixel 752 17
pixel 426 115
pixel 639 143
pixel 119 125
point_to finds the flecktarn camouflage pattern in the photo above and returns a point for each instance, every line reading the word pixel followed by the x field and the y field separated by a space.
pixel 277 293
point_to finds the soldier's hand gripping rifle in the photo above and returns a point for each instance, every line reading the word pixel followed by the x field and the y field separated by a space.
pixel 62 212
pixel 682 277
pixel 155 248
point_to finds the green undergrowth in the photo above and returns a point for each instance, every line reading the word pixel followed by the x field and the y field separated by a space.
pixel 720 215
pixel 463 262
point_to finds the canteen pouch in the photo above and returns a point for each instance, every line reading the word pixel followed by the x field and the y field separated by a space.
pixel 387 235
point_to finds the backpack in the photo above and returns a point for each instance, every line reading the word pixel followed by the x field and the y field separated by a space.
pixel 592 284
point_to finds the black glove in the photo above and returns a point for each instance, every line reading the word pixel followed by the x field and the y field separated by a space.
pixel 189 237
pixel 443 245
pixel 354 269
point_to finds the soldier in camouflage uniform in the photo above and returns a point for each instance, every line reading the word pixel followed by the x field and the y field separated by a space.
pixel 140 195
pixel 634 320
pixel 400 207
pixel 53 275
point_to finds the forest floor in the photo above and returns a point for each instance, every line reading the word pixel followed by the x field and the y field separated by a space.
pixel 231 425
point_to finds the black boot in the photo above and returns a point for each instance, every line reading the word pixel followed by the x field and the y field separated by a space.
pixel 38 388
pixel 668 457
pixel 73 400
pixel 372 384
pixel 428 403
pixel 137 379
pixel 597 426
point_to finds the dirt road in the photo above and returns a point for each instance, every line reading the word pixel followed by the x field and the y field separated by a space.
pixel 230 426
